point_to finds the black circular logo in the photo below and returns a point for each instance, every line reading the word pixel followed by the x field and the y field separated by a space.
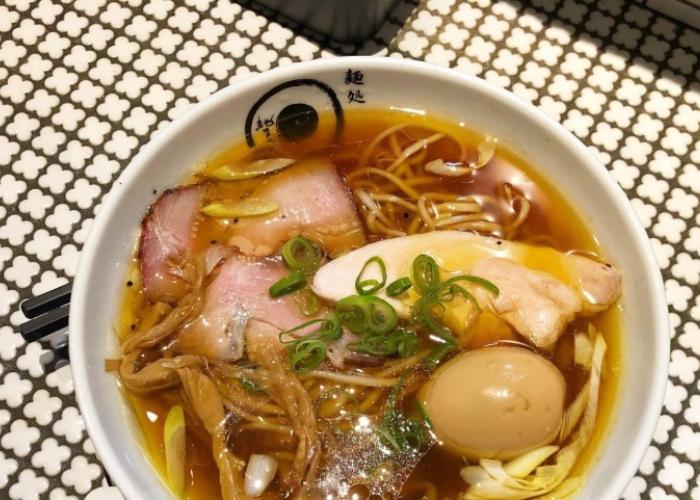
pixel 297 121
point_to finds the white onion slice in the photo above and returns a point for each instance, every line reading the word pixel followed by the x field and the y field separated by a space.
pixel 447 168
pixel 583 350
pixel 250 169
pixel 486 150
pixel 259 474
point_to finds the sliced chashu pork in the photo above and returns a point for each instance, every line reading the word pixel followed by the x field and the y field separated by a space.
pixel 166 239
pixel 237 300
pixel 238 309
pixel 313 201
pixel 541 289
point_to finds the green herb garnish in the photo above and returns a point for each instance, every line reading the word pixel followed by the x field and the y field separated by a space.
pixel 367 314
pixel 291 283
pixel 309 351
pixel 302 254
pixel 396 288
pixel 307 302
pixel 426 273
pixel 401 342
pixel 368 286
pixel 373 319
pixel 400 432
pixel 424 415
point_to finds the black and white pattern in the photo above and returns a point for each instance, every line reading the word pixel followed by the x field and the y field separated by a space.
pixel 85 83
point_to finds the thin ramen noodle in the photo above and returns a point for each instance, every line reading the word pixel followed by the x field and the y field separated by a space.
pixel 408 312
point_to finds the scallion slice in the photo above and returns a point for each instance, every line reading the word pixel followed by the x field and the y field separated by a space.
pixel 291 283
pixel 367 314
pixel 307 302
pixel 309 351
pixel 302 254
pixel 368 286
pixel 354 311
pixel 396 288
pixel 401 342
pixel 426 273
pixel 382 317
pixel 476 280
pixel 306 355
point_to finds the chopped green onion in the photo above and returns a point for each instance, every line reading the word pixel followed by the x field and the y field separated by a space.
pixel 396 288
pixel 424 415
pixel 309 351
pixel 250 169
pixel 297 328
pixel 363 314
pixel 243 208
pixel 383 317
pixel 306 355
pixel 426 273
pixel 330 328
pixel 370 285
pixel 447 292
pixel 426 310
pixel 401 342
pixel 354 311
pixel 407 344
pixel 288 284
pixel 302 254
pixel 307 302
pixel 483 283
pixel 439 352
pixel 400 432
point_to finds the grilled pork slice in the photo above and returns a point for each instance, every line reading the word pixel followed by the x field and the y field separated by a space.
pixel 238 307
pixel 166 241
pixel 238 299
pixel 313 201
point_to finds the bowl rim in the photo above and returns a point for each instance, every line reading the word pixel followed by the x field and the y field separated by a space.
pixel 130 174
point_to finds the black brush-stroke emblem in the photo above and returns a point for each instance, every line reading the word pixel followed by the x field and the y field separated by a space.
pixel 298 120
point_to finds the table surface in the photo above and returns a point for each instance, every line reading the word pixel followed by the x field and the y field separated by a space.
pixel 84 84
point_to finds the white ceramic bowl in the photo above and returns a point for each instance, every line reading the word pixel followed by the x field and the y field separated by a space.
pixel 387 82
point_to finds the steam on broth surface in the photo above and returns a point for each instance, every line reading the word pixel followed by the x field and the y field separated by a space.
pixel 405 311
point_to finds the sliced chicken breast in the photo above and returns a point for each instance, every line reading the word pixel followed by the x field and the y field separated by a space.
pixel 535 303
pixel 601 284
pixel 542 289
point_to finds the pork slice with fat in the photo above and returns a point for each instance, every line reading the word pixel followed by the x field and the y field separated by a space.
pixel 167 237
pixel 237 299
pixel 313 201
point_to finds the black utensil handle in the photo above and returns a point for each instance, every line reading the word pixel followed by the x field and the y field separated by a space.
pixel 61 350
pixel 41 326
pixel 36 306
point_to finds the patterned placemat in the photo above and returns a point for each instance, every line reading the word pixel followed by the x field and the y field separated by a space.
pixel 85 83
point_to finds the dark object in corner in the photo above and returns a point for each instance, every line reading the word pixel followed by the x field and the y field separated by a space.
pixel 347 21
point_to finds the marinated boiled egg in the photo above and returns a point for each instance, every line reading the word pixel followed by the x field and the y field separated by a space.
pixel 495 402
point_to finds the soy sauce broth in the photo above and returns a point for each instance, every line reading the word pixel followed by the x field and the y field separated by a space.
pixel 552 220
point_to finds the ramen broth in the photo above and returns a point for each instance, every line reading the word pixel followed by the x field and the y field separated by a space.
pixel 551 220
